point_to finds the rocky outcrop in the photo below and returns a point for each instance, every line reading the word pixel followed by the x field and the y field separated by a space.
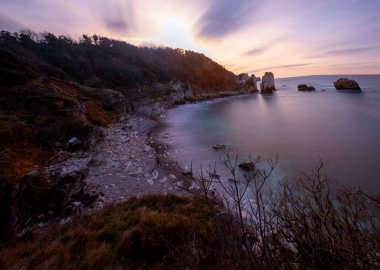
pixel 110 99
pixel 242 78
pixel 304 88
pixel 346 84
pixel 152 100
pixel 177 93
pixel 37 197
pixel 267 85
pixel 247 83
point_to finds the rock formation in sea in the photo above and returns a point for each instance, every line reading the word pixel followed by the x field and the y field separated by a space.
pixel 247 83
pixel 346 84
pixel 267 85
pixel 242 78
pixel 304 87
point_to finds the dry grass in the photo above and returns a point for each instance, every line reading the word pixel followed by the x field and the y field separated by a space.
pixel 37 115
pixel 153 231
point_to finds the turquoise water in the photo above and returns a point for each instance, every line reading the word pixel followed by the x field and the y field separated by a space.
pixel 340 128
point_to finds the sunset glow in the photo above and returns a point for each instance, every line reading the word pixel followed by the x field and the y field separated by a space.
pixel 289 38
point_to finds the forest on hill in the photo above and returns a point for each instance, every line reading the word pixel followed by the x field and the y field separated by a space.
pixel 97 61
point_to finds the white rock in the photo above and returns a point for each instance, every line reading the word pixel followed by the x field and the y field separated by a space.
pixel 163 179
pixel 172 176
pixel 150 182
pixel 76 204
pixel 155 174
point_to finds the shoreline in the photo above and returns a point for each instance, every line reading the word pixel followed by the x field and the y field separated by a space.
pixel 131 160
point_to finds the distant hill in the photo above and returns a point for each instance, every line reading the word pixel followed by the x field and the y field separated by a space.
pixel 101 62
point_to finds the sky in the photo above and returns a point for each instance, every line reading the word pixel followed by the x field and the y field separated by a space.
pixel 287 37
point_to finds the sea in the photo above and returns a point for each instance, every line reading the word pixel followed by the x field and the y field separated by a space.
pixel 301 129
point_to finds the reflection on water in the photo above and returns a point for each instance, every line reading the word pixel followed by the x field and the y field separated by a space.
pixel 341 128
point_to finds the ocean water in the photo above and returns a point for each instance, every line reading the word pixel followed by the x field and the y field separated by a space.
pixel 340 128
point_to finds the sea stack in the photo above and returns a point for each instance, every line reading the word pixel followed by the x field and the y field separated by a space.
pixel 346 84
pixel 267 83
pixel 248 83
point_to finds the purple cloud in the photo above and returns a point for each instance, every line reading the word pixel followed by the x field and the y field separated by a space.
pixel 225 16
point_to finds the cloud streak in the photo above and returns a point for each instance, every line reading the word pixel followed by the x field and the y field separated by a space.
pixel 280 67
pixel 224 16
pixel 354 50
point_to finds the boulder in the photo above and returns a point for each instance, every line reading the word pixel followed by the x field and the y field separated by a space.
pixel 267 85
pixel 304 87
pixel 346 84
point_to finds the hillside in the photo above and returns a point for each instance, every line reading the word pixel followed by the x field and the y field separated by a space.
pixel 101 62
pixel 54 88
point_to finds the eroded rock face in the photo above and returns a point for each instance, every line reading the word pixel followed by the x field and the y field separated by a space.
pixel 110 99
pixel 346 84
pixel 242 78
pixel 113 100
pixel 247 83
pixel 267 85
pixel 36 195
pixel 304 87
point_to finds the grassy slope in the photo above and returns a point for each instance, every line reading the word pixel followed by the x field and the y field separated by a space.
pixel 35 116
pixel 150 232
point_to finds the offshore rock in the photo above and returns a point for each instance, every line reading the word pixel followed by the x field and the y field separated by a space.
pixel 242 78
pixel 247 83
pixel 267 85
pixel 304 87
pixel 346 84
